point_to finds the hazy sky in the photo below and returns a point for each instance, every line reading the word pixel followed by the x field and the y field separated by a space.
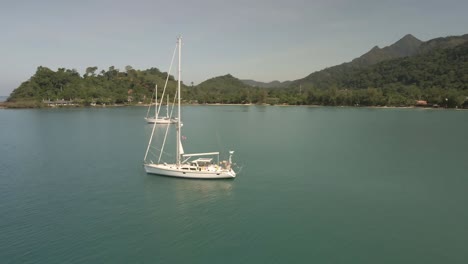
pixel 255 39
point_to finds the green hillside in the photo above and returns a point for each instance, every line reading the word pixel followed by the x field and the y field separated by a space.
pixel 226 90
pixel 439 76
pixel 442 43
pixel 441 68
pixel 408 46
pixel 110 87
pixel 435 71
pixel 272 84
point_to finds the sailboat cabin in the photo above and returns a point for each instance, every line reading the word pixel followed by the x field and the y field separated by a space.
pixel 202 162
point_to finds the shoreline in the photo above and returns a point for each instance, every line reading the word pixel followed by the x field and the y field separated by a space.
pixel 5 105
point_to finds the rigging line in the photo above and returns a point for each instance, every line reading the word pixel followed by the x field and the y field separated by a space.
pixel 167 155
pixel 163 144
pixel 154 125
pixel 218 139
pixel 164 91
pixel 239 168
pixel 173 103
pixel 167 127
pixel 150 140
pixel 159 151
pixel 151 101
pixel 167 78
pixel 156 111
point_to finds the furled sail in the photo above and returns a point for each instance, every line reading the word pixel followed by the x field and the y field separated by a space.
pixel 181 149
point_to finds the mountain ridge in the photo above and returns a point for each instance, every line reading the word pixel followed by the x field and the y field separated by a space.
pixel 407 46
pixel 272 84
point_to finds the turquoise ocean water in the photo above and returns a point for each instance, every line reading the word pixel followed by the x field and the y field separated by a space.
pixel 317 185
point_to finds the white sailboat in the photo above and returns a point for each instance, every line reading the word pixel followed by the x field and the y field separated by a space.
pixel 196 165
pixel 156 119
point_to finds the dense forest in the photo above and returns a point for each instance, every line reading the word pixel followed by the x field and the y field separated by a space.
pixel 109 87
pixel 435 71
pixel 439 76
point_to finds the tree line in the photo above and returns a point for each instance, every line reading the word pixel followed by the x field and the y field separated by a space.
pixel 109 86
pixel 439 77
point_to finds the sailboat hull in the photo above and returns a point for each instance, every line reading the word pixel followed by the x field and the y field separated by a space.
pixel 160 121
pixel 172 171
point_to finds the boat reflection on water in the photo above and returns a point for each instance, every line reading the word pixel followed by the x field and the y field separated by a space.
pixel 202 189
pixel 188 191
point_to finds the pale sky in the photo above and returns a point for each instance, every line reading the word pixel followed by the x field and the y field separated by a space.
pixel 254 39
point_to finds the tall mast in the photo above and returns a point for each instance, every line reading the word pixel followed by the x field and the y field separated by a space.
pixel 156 103
pixel 179 43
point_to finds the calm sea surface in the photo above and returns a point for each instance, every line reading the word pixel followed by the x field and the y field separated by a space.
pixel 318 185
